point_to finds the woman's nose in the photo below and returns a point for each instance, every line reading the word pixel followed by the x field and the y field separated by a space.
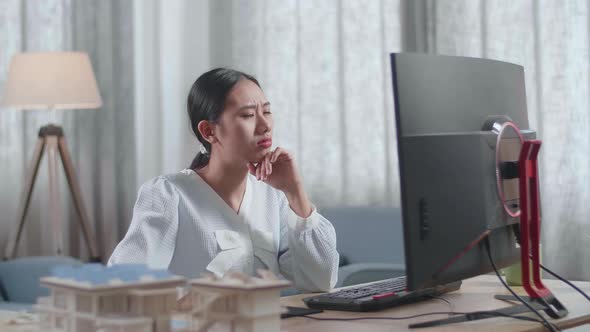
pixel 264 124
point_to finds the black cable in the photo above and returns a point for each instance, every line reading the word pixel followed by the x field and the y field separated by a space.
pixel 501 314
pixel 451 306
pixel 450 313
pixel 566 281
pixel 545 322
pixel 387 318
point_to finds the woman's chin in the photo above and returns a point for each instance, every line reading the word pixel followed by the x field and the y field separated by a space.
pixel 262 152
pixel 258 156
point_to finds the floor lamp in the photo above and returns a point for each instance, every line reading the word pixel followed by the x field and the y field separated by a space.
pixel 52 81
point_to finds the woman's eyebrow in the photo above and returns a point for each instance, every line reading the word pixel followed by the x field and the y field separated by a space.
pixel 247 107
pixel 252 106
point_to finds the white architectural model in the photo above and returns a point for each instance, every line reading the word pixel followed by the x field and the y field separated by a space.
pixel 93 297
pixel 236 302
pixel 133 298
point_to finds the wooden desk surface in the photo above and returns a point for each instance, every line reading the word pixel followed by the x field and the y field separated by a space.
pixel 475 294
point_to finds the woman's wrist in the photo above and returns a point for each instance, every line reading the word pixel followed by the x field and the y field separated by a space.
pixel 299 202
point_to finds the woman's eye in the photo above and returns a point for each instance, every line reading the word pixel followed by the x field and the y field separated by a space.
pixel 247 115
pixel 267 112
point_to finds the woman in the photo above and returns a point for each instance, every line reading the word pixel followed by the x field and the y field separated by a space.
pixel 241 206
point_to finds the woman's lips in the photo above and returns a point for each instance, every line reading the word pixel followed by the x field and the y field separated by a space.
pixel 265 143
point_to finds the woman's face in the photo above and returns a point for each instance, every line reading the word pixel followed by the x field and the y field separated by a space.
pixel 244 130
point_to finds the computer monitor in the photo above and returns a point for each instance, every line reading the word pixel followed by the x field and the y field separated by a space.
pixel 447 163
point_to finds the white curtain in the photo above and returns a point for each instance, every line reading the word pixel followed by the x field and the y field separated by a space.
pixel 171 51
pixel 101 141
pixel 324 67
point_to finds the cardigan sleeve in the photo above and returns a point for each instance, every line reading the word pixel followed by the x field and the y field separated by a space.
pixel 307 252
pixel 151 238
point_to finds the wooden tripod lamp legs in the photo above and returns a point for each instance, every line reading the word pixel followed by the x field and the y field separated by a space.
pixel 78 201
pixel 15 233
pixel 56 215
pixel 52 140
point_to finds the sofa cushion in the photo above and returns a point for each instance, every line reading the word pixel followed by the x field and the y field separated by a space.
pixel 360 273
pixel 368 234
pixel 19 278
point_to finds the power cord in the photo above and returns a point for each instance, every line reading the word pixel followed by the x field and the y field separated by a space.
pixel 450 313
pixel 543 321
pixel 387 318
pixel 451 306
pixel 566 281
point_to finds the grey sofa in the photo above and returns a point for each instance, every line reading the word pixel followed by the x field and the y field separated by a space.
pixel 19 280
pixel 369 241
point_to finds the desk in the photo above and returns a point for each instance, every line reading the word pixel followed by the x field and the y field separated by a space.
pixel 475 294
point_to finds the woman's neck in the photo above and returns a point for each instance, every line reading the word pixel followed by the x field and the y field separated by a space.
pixel 227 180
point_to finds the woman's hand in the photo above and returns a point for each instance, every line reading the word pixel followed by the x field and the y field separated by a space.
pixel 278 170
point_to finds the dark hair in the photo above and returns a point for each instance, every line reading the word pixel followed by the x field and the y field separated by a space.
pixel 206 101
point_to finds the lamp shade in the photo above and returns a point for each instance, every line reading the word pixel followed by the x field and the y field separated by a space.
pixel 51 80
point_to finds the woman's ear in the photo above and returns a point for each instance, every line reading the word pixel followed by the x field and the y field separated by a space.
pixel 206 129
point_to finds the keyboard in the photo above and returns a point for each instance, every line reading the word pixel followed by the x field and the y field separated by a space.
pixel 376 296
